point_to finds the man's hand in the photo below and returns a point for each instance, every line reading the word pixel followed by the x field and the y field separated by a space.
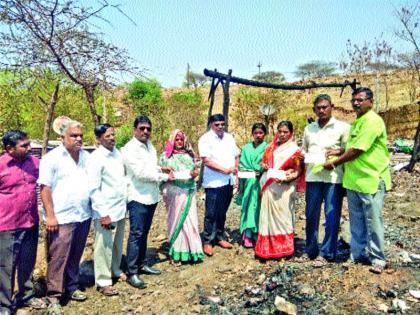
pixel 51 224
pixel 329 166
pixel 106 222
pixel 333 152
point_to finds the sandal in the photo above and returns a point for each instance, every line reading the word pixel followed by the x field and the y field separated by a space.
pixel 36 304
pixel 54 309
pixel 108 291
pixel 377 269
pixel 319 262
pixel 78 296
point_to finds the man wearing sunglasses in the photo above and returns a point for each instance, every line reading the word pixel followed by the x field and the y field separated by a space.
pixel 220 156
pixel 144 174
pixel 366 178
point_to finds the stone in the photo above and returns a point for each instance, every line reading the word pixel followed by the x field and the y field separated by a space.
pixel 285 306
pixel 414 293
pixel 307 290
pixel 382 308
pixel 399 305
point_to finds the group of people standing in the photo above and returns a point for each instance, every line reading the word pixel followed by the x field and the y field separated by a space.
pixel 335 159
pixel 76 187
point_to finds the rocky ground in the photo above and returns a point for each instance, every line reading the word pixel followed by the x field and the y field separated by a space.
pixel 234 282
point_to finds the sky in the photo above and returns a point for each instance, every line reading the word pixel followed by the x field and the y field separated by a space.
pixel 238 35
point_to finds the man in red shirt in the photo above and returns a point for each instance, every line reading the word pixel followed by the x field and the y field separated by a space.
pixel 18 221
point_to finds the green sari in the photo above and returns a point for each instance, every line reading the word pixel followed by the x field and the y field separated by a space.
pixel 249 190
pixel 181 203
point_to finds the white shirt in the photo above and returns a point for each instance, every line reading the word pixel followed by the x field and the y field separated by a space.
pixel 108 184
pixel 143 172
pixel 69 184
pixel 317 140
pixel 222 151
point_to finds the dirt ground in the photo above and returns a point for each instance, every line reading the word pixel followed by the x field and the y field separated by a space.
pixel 234 282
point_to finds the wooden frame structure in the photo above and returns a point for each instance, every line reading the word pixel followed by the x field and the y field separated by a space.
pixel 226 79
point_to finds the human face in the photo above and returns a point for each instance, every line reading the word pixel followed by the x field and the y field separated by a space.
pixel 323 110
pixel 361 103
pixel 142 132
pixel 284 134
pixel 107 139
pixel 73 139
pixel 258 134
pixel 21 150
pixel 218 127
pixel 179 141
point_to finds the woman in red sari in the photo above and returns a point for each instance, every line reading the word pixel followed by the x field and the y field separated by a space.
pixel 276 226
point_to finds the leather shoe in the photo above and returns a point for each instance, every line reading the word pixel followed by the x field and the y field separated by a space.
pixel 150 270
pixel 208 249
pixel 225 244
pixel 136 282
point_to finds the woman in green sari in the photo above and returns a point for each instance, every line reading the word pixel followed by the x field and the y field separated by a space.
pixel 180 200
pixel 249 185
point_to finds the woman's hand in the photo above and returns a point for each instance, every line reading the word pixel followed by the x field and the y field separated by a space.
pixel 171 176
pixel 264 166
pixel 195 172
pixel 167 169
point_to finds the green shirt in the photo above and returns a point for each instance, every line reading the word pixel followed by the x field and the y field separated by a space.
pixel 363 174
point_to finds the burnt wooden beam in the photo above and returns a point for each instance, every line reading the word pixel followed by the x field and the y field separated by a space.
pixel 223 77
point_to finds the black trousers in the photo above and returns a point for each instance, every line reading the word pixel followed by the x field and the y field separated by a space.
pixel 141 217
pixel 217 203
pixel 17 255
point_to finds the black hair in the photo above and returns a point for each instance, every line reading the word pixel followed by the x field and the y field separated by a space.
pixel 259 126
pixel 216 117
pixel 101 129
pixel 285 123
pixel 322 97
pixel 142 119
pixel 362 89
pixel 12 137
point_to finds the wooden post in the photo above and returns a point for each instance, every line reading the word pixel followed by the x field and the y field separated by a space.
pixel 226 99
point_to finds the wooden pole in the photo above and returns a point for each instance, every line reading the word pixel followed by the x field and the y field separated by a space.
pixel 226 99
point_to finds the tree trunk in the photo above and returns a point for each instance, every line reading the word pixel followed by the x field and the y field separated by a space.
pixel 90 97
pixel 48 118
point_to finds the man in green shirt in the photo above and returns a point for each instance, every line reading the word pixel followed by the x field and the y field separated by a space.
pixel 366 177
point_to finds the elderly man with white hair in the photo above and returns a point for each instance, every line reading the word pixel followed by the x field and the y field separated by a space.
pixel 65 195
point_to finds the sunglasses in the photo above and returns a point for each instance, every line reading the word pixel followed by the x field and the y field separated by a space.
pixel 219 124
pixel 358 100
pixel 145 128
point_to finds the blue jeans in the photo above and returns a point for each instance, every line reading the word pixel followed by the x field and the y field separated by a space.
pixel 141 217
pixel 332 196
pixel 367 225
pixel 217 203
pixel 17 255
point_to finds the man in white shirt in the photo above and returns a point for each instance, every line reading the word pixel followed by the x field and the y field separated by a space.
pixel 65 194
pixel 220 156
pixel 323 139
pixel 108 186
pixel 144 175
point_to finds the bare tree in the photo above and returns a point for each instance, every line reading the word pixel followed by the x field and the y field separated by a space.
pixel 409 18
pixel 57 34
